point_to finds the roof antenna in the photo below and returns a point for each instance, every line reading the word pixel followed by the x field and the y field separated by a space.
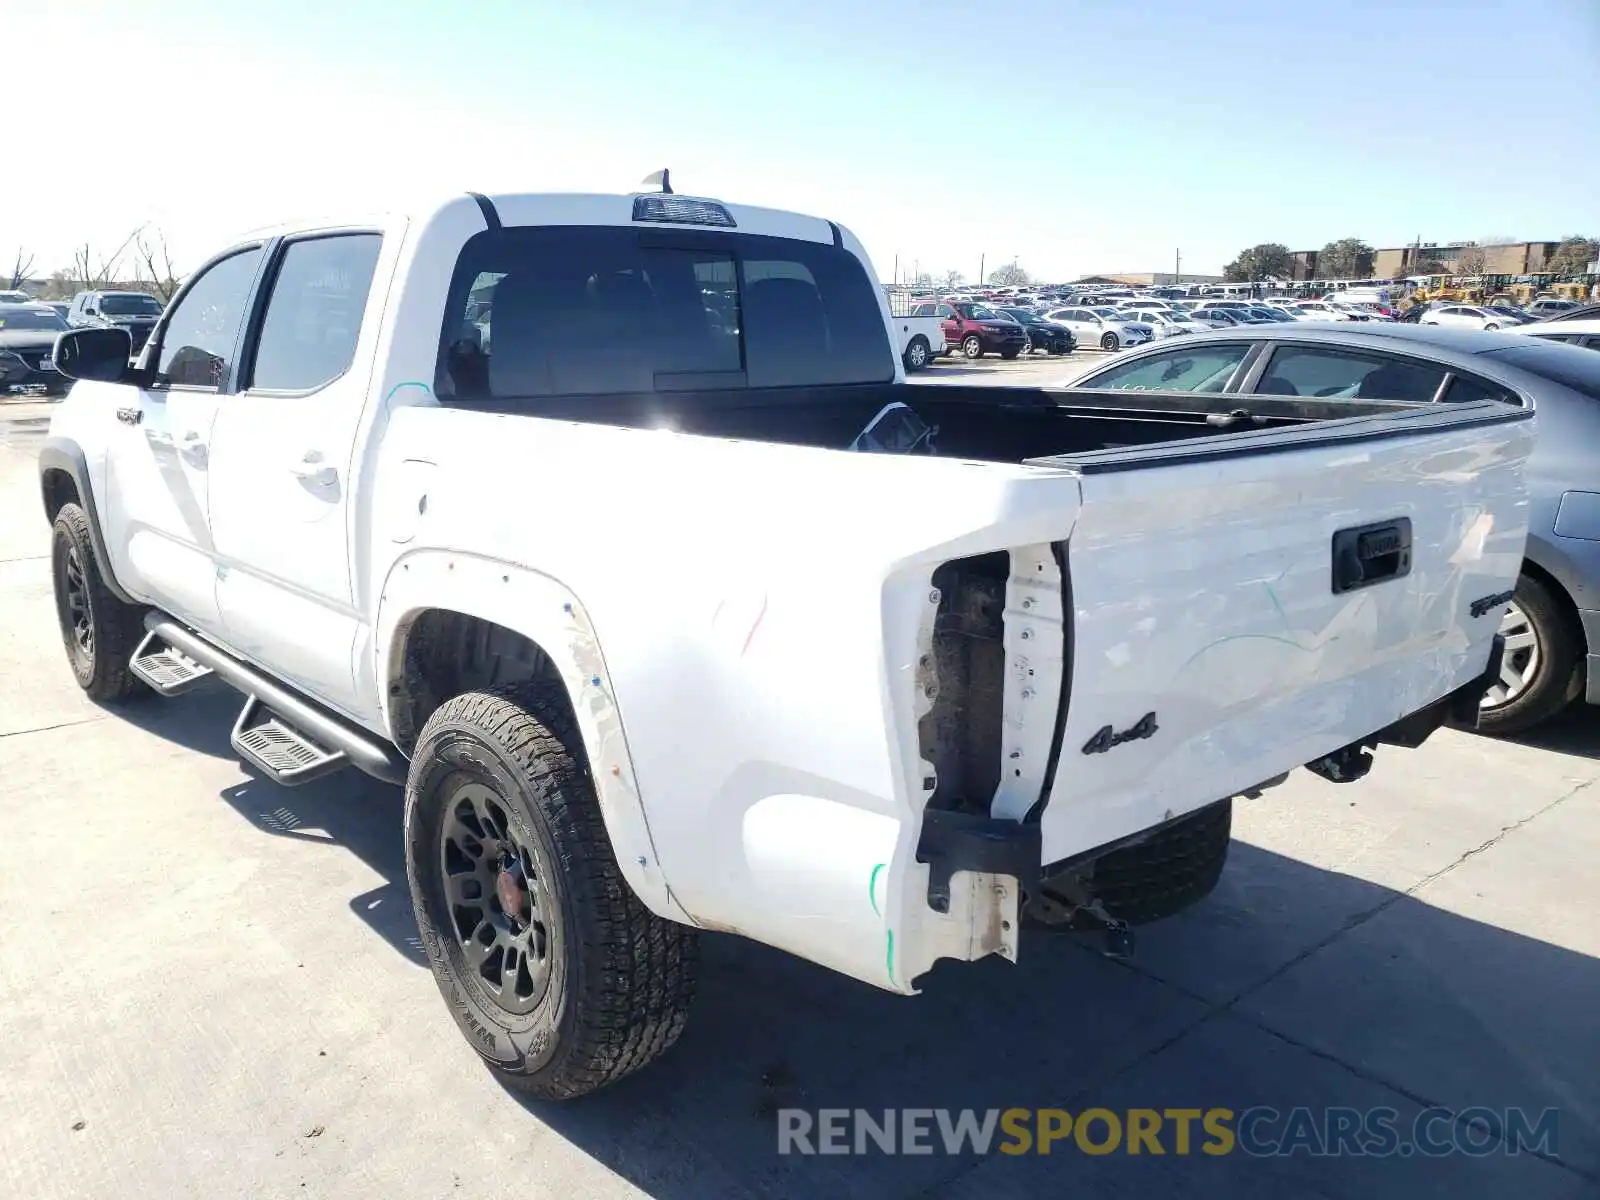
pixel 659 180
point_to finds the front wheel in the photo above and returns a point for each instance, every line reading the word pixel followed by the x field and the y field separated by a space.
pixel 1542 671
pixel 1109 342
pixel 99 631
pixel 1491 326
pixel 972 346
pixel 558 976
pixel 1008 355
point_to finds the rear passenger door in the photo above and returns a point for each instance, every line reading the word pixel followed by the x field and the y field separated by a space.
pixel 283 456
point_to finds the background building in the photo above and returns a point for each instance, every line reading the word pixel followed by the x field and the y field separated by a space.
pixel 1148 279
pixel 1508 258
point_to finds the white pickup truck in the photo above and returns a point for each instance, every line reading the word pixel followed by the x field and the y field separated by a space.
pixel 608 526
pixel 919 340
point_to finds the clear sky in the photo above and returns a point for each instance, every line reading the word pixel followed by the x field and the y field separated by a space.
pixel 1074 135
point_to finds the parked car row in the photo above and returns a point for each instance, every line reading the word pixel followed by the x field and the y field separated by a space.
pixel 28 331
pixel 27 338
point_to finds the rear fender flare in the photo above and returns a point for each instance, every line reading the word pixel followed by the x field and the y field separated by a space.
pixel 545 611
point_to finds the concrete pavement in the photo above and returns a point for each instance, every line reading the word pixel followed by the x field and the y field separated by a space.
pixel 211 987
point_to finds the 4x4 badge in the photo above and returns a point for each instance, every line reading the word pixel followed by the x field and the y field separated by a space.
pixel 1488 604
pixel 1107 737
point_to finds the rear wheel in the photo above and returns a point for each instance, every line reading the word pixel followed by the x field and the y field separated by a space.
pixel 972 346
pixel 558 976
pixel 1543 668
pixel 1109 342
pixel 99 631
pixel 916 355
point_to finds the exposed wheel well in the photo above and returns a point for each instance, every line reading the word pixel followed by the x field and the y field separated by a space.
pixel 59 491
pixel 447 653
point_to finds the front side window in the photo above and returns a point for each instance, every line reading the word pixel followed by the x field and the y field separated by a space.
pixel 553 311
pixel 1192 369
pixel 313 318
pixel 202 329
pixel 1348 374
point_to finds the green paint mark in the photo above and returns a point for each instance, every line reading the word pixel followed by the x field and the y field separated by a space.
pixel 888 957
pixel 872 889
pixel 1246 637
pixel 1273 596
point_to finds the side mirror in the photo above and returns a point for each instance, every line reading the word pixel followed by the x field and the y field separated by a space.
pixel 100 353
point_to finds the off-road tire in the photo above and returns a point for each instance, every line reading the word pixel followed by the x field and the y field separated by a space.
pixel 1161 876
pixel 102 666
pixel 1559 677
pixel 620 978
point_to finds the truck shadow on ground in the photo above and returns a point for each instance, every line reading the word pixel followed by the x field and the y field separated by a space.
pixel 1291 986
pixel 1575 731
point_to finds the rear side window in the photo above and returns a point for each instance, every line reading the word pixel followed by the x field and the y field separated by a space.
pixel 1576 367
pixel 1464 389
pixel 313 318
pixel 1348 374
pixel 562 311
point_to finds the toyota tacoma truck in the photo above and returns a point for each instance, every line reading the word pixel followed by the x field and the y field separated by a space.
pixel 670 622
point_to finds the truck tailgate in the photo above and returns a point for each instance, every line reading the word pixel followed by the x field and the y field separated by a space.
pixel 1216 643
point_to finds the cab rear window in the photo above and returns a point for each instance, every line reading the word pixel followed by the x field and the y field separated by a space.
pixel 564 311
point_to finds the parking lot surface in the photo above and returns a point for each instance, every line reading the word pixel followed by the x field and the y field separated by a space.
pixel 211 987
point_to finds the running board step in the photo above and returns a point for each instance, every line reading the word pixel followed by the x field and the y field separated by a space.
pixel 304 721
pixel 278 750
pixel 167 670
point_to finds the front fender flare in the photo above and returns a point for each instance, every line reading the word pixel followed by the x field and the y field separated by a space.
pixel 64 454
pixel 547 612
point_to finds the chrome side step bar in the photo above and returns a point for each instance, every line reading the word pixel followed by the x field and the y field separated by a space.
pixel 288 737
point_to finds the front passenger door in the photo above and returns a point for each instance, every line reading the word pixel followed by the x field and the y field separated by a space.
pixel 158 519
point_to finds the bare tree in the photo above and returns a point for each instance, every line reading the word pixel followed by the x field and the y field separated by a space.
pixel 92 276
pixel 922 280
pixel 953 279
pixel 155 262
pixel 20 268
pixel 1009 274
pixel 1472 260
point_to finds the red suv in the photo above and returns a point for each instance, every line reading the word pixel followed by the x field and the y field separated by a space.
pixel 976 328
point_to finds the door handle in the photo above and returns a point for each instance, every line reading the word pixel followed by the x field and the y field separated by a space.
pixel 311 469
pixel 130 416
